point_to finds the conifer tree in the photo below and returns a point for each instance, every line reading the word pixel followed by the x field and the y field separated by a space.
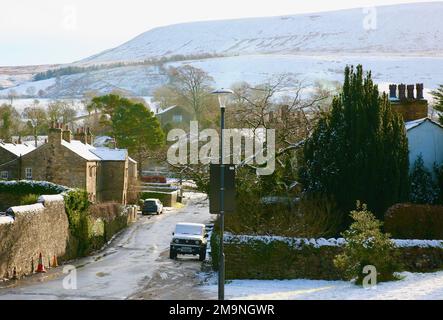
pixel 423 189
pixel 359 150
pixel 437 94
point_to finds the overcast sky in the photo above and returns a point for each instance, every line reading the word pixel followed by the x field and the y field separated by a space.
pixel 59 31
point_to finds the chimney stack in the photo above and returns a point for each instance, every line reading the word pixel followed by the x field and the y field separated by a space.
pixel 66 134
pixel 419 87
pixel 402 91
pixel 393 91
pixel 410 89
pixel 113 144
pixel 80 135
pixel 89 137
pixel 55 134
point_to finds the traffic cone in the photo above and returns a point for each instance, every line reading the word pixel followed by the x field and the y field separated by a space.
pixel 54 263
pixel 40 266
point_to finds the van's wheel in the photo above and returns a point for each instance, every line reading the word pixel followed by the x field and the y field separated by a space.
pixel 172 254
pixel 202 255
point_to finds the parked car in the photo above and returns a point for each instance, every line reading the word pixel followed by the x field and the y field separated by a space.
pixel 189 238
pixel 152 206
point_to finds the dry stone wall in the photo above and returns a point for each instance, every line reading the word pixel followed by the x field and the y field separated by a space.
pixel 38 228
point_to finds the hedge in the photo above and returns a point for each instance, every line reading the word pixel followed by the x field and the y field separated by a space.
pixel 31 187
pixel 162 196
pixel 414 221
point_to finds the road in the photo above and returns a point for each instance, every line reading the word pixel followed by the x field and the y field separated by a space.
pixel 135 265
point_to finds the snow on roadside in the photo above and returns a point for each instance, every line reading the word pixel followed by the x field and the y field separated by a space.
pixel 414 286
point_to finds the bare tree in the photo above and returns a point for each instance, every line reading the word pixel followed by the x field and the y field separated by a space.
pixel 282 104
pixel 12 94
pixel 189 87
pixel 30 91
pixel 36 117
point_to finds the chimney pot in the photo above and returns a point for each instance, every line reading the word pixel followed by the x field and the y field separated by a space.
pixel 402 91
pixel 410 89
pixel 393 91
pixel 419 88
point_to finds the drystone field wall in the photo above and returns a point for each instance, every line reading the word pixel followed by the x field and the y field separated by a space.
pixel 38 228
pixel 272 257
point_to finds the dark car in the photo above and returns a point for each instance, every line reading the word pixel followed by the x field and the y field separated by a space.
pixel 152 206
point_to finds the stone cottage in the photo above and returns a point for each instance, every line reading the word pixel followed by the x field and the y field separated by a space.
pixel 71 160
pixel 64 160
pixel 10 154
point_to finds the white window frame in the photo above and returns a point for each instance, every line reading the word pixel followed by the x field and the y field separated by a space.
pixel 28 173
pixel 4 175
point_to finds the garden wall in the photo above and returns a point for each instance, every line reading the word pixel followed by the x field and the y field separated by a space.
pixel 62 225
pixel 38 228
pixel 266 257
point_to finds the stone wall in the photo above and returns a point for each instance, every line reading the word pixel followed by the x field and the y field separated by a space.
pixel 38 228
pixel 249 257
pixel 112 183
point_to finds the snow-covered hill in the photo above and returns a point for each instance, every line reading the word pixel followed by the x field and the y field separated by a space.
pixel 408 29
pixel 406 46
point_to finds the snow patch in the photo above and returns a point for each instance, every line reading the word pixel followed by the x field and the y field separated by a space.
pixel 28 209
pixel 298 243
pixel 50 198
pixel 4 219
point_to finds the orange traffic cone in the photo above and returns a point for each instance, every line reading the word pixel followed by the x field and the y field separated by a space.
pixel 40 266
pixel 54 263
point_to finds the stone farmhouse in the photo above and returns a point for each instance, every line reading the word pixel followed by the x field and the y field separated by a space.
pixel 71 160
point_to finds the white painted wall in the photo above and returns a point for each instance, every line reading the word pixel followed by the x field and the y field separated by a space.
pixel 426 139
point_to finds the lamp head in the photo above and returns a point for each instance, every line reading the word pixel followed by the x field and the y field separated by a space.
pixel 223 95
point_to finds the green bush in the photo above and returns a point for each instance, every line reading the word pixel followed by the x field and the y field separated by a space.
pixel 367 245
pixel 415 221
pixel 29 199
pixel 76 206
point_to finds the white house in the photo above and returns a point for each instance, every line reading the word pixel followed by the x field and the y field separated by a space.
pixel 425 137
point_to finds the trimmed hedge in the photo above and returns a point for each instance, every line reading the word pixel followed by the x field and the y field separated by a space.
pixel 414 221
pixel 34 187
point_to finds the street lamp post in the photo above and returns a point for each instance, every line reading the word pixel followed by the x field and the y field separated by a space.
pixel 223 95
